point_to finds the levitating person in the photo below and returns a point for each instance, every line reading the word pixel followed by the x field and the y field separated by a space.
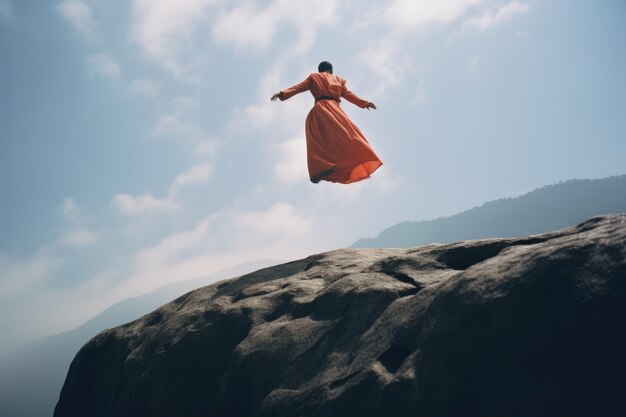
pixel 337 151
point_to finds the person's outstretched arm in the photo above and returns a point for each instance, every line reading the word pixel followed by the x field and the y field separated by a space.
pixel 292 91
pixel 356 100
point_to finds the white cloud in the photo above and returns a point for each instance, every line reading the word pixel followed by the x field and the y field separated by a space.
pixel 6 10
pixel 79 15
pixel 79 233
pixel 258 115
pixel 267 114
pixel 148 204
pixel 378 58
pixel 186 102
pixel 171 247
pixel 103 65
pixel 247 26
pixel 307 17
pixel 291 165
pixel 162 28
pixel 183 255
pixel 171 124
pixel 472 64
pixel 420 93
pixel 423 15
pixel 80 237
pixel 146 88
pixel 195 175
pixel 223 239
pixel 206 148
pixel 491 18
pixel 19 277
pixel 280 219
pixel 70 210
pixel 143 204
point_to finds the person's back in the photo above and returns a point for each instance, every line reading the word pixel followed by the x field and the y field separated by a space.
pixel 326 84
pixel 337 151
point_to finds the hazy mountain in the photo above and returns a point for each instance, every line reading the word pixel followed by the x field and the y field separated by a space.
pixel 31 377
pixel 548 208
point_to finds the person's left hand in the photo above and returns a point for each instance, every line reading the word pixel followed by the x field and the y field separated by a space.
pixel 275 96
pixel 370 106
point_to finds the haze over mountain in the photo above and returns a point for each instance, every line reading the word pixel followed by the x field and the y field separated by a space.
pixel 31 377
pixel 547 208
pixel 36 371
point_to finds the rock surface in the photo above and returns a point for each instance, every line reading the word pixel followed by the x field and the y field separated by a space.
pixel 532 326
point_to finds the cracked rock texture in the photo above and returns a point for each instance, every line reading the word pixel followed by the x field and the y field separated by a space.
pixel 531 326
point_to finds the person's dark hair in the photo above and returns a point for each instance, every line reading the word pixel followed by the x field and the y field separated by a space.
pixel 325 66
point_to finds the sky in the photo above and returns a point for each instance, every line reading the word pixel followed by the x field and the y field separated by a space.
pixel 138 144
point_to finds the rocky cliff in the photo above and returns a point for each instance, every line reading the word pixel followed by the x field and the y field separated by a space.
pixel 530 326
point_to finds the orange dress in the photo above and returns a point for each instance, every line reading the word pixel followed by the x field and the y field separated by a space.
pixel 337 151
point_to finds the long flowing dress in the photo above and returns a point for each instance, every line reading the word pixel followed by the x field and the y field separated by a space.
pixel 337 151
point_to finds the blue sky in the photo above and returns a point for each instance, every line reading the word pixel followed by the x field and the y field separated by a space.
pixel 138 145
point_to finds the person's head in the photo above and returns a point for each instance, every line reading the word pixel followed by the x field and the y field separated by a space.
pixel 325 66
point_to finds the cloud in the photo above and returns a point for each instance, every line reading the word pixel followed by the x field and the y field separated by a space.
pixel 79 234
pixel 79 15
pixel 186 102
pixel 147 204
pixel 472 64
pixel 80 237
pixel 405 17
pixel 377 58
pixel 267 114
pixel 146 88
pixel 420 93
pixel 6 10
pixel 491 18
pixel 143 204
pixel 290 166
pixel 423 15
pixel 180 256
pixel 222 240
pixel 171 124
pixel 246 26
pixel 280 219
pixel 18 277
pixel 206 148
pixel 171 247
pixel 103 65
pixel 249 27
pixel 70 210
pixel 162 28
pixel 195 175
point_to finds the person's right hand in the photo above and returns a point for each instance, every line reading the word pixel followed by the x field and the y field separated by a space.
pixel 370 106
pixel 275 96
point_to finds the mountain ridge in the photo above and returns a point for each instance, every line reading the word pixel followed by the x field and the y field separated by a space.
pixel 546 208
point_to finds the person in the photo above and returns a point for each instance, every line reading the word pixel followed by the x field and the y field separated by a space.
pixel 337 151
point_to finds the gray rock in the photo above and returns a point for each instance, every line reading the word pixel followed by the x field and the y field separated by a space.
pixel 528 326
